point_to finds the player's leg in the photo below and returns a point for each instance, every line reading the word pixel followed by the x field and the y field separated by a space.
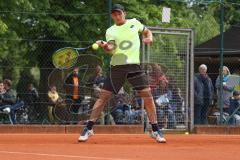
pixel 139 81
pixel 113 83
pixel 146 95
pixel 151 112
pixel 104 97
pixel 95 114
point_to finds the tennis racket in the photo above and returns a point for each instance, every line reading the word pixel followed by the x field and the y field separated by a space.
pixel 66 57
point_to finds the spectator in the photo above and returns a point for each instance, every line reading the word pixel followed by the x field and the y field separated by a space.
pixel 32 93
pixel 165 111
pixel 74 90
pixel 176 101
pixel 54 100
pixel 8 101
pixel 9 97
pixel 32 102
pixel 159 85
pixel 234 107
pixel 155 76
pixel 2 90
pixel 96 81
pixel 203 95
pixel 53 96
pixel 138 112
pixel 228 89
pixel 120 102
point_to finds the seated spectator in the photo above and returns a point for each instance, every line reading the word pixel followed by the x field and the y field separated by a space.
pixel 137 110
pixel 120 103
pixel 97 79
pixel 32 93
pixel 95 82
pixel 35 112
pixel 176 101
pixel 165 112
pixel 127 110
pixel 122 113
pixel 234 107
pixel 54 99
pixel 8 102
pixel 53 96
pixel 162 86
pixel 2 90
pixel 155 76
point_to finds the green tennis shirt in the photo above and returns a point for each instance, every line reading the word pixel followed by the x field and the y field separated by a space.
pixel 126 38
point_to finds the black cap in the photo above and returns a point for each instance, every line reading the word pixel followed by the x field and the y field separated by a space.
pixel 236 93
pixel 117 7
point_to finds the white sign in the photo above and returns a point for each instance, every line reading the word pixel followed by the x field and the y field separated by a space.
pixel 166 14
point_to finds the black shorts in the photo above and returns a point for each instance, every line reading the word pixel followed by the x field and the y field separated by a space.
pixel 119 74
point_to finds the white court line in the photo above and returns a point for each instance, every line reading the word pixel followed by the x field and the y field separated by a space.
pixel 100 134
pixel 60 155
pixel 70 134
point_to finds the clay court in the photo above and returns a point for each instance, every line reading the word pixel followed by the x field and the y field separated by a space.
pixel 118 147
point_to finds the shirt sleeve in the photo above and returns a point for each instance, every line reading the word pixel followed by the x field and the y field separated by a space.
pixel 109 36
pixel 139 25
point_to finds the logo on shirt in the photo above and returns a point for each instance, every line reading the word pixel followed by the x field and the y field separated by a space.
pixel 131 26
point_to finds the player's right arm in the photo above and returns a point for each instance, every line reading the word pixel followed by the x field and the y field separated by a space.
pixel 109 46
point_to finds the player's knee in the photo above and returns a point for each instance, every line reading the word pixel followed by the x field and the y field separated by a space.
pixel 105 95
pixel 145 93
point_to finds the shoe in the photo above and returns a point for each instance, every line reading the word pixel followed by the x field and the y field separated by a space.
pixel 85 135
pixel 7 110
pixel 158 136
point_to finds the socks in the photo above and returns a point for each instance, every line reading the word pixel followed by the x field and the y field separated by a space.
pixel 155 127
pixel 90 125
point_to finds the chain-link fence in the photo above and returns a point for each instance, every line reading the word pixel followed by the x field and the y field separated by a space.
pixel 31 31
pixel 218 103
pixel 169 61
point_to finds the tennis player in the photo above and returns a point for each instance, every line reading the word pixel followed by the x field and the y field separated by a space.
pixel 123 43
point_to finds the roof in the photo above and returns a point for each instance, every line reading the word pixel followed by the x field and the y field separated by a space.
pixel 212 46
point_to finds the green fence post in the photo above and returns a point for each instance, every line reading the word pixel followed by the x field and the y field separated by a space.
pixel 221 59
pixel 109 12
pixel 108 58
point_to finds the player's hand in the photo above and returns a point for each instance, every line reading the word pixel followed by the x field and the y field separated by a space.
pixel 147 40
pixel 101 43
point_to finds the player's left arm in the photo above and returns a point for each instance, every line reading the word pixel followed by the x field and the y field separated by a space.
pixel 147 36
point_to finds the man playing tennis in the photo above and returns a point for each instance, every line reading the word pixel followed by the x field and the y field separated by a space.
pixel 123 42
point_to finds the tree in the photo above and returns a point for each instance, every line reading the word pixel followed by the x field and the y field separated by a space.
pixel 31 30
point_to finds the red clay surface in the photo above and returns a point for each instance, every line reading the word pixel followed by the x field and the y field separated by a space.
pixel 118 147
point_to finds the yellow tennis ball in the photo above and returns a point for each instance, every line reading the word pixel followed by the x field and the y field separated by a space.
pixel 95 46
pixel 187 133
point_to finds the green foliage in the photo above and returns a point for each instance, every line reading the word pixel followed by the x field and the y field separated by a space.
pixel 3 27
pixel 31 30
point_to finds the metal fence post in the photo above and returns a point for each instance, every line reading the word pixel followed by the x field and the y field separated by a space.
pixel 192 83
pixel 221 59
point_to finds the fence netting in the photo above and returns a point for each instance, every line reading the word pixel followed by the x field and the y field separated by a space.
pixel 31 31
